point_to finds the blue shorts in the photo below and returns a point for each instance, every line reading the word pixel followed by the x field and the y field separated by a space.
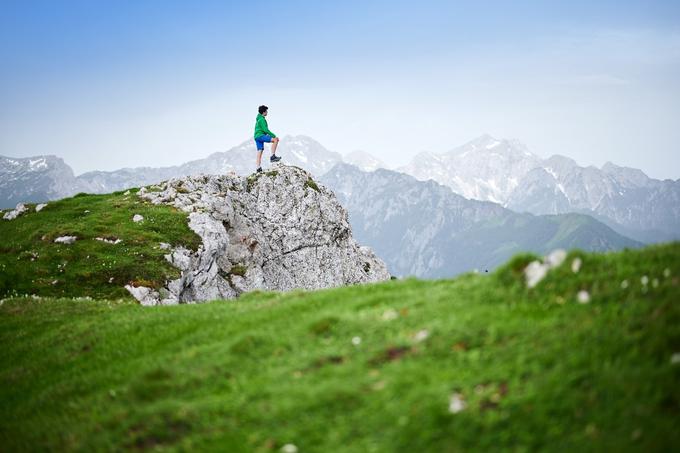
pixel 260 141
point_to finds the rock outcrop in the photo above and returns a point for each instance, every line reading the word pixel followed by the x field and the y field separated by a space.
pixel 276 230
pixel 16 212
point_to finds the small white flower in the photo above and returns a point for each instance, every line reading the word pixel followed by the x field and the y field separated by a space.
pixel 456 403
pixel 576 265
pixel 289 448
pixel 624 284
pixel 535 272
pixel 667 272
pixel 421 335
pixel 555 258
pixel 137 218
pixel 389 315
pixel 644 280
pixel 675 358
pixel 356 341
pixel 655 283
pixel 583 297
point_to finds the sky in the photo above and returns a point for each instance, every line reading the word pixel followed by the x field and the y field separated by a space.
pixel 111 84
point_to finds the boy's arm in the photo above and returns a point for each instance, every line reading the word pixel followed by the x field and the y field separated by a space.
pixel 266 128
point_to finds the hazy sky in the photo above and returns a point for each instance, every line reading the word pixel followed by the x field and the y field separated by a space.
pixel 110 84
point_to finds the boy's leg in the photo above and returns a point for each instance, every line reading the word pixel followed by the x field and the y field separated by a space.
pixel 275 143
pixel 259 158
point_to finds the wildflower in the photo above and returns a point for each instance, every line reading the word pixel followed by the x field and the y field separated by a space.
pixel 456 403
pixel 535 272
pixel 555 258
pixel 644 280
pixel 576 265
pixel 421 335
pixel 389 315
pixel 583 297
pixel 624 284
pixel 356 341
pixel 289 448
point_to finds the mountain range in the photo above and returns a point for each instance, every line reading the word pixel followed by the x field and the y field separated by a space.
pixel 507 173
pixel 486 192
pixel 48 177
pixel 423 228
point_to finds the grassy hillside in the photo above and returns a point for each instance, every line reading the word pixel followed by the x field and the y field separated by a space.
pixel 473 363
pixel 31 263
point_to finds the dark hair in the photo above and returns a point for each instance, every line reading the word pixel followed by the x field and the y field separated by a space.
pixel 263 108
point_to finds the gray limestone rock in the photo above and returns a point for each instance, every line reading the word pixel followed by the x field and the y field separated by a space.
pixel 16 212
pixel 65 240
pixel 277 230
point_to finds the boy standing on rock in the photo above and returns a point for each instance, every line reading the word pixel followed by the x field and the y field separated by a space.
pixel 264 135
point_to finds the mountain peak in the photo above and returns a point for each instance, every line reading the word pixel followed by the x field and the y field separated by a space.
pixel 625 175
pixel 364 160
pixel 484 141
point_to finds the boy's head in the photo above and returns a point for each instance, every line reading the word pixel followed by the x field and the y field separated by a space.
pixel 263 110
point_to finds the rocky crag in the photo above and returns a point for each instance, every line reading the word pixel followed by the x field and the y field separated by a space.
pixel 277 230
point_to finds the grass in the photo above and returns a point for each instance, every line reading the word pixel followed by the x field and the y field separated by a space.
pixel 358 369
pixel 311 184
pixel 31 263
pixel 238 269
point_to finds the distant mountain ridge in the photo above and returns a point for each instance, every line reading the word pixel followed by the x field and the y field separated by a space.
pixel 423 228
pixel 300 150
pixel 35 179
pixel 47 177
pixel 488 169
pixel 364 160
pixel 506 172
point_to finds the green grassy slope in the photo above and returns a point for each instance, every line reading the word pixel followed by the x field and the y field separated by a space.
pixel 536 369
pixel 31 263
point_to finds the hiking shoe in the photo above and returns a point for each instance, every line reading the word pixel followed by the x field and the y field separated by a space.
pixel 259 170
pixel 274 158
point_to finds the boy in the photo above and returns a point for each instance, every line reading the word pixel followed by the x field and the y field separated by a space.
pixel 264 135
